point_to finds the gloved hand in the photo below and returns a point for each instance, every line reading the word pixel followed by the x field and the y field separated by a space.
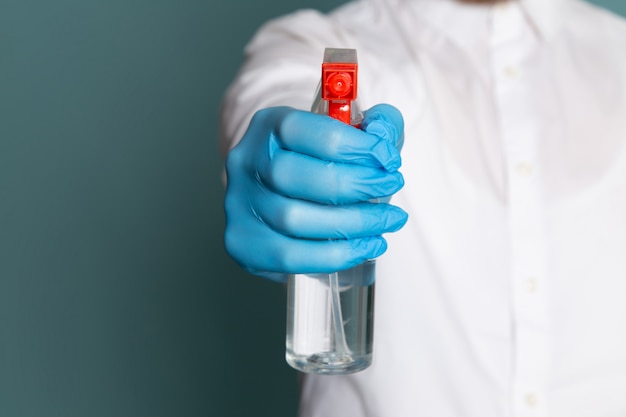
pixel 298 190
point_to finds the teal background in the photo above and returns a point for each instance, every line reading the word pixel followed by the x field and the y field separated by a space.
pixel 116 296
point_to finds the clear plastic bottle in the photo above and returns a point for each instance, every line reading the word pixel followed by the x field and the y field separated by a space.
pixel 330 316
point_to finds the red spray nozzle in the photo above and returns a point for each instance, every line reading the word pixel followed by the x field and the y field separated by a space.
pixel 339 82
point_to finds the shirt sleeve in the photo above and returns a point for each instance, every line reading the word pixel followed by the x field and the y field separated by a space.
pixel 282 65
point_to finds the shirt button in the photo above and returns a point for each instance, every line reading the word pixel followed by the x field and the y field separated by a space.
pixel 510 71
pixel 531 400
pixel 532 285
pixel 524 169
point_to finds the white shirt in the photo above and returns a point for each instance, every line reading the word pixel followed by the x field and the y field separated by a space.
pixel 505 293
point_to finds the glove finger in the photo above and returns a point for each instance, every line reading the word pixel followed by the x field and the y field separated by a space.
pixel 329 139
pixel 304 219
pixel 300 176
pixel 263 251
pixel 386 122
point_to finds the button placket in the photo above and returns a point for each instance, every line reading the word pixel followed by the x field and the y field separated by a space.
pixel 520 136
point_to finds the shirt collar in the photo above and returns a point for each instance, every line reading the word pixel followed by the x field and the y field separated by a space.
pixel 468 24
pixel 548 16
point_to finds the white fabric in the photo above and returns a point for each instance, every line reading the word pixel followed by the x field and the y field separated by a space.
pixel 505 294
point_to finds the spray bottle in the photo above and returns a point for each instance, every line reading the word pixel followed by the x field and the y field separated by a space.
pixel 330 316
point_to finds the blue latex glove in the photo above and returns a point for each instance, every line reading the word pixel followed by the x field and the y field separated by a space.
pixel 298 190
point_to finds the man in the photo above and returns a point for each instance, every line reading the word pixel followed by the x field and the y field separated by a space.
pixel 503 293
